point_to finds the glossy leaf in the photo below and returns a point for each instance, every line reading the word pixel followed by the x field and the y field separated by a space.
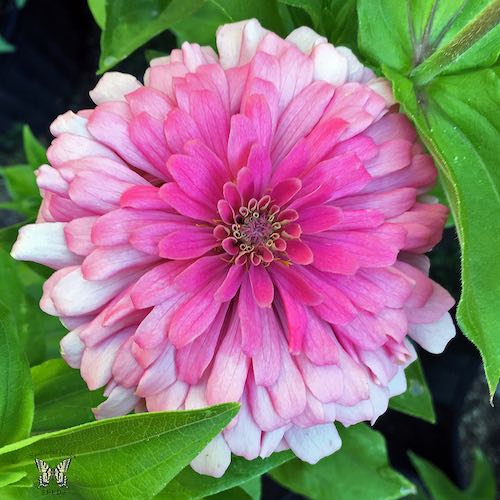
pixel 251 490
pixel 62 399
pixel 188 484
pixel 201 26
pixel 417 400
pixel 98 9
pixel 432 62
pixel 440 487
pixel 266 11
pixel 130 24
pixel 360 466
pixel 16 392
pixel 125 457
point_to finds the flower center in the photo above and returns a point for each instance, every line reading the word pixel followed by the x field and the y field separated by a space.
pixel 258 232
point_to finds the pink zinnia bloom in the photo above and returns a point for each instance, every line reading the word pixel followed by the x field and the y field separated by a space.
pixel 247 226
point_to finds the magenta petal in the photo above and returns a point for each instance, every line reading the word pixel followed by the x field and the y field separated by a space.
pixel 187 244
pixel 285 190
pixel 297 284
pixel 193 359
pixel 194 316
pixel 200 273
pixel 262 286
pixel 231 284
pixel 318 219
pixel 172 194
pixel 299 252
pixel 250 320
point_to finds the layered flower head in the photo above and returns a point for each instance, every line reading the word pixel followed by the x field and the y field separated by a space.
pixel 247 226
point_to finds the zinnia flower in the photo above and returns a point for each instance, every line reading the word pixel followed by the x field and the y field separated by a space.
pixel 247 226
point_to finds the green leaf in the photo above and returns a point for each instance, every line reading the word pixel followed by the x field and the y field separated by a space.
pixel 7 478
pixel 5 46
pixel 98 9
pixel 266 11
pixel 417 400
pixel 340 22
pixel 188 484
pixel 16 392
pixel 250 490
pixel 481 487
pixel 62 398
pixel 311 7
pixel 133 456
pixel 130 24
pixel 20 290
pixel 360 466
pixel 35 152
pixel 253 488
pixel 201 26
pixel 22 189
pixel 455 112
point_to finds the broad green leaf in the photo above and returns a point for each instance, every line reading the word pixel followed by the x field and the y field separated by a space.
pixel 98 9
pixel 133 456
pixel 5 46
pixel 339 22
pixel 360 466
pixel 253 488
pixel 62 399
pixel 250 490
pixel 7 478
pixel 335 19
pixel 417 400
pixel 312 7
pixel 266 11
pixel 455 112
pixel 481 487
pixel 201 26
pixel 131 23
pixel 422 36
pixel 189 485
pixel 35 152
pixel 16 391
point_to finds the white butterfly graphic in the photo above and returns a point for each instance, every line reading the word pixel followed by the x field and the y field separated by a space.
pixel 46 472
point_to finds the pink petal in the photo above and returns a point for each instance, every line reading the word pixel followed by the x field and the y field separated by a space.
pixel 229 372
pixel 187 244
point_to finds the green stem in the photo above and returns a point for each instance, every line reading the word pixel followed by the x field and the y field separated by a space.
pixel 487 20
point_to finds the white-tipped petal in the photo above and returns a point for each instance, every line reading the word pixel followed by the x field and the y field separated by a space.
pixel 44 243
pixel 433 337
pixel 114 86
pixel 214 459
